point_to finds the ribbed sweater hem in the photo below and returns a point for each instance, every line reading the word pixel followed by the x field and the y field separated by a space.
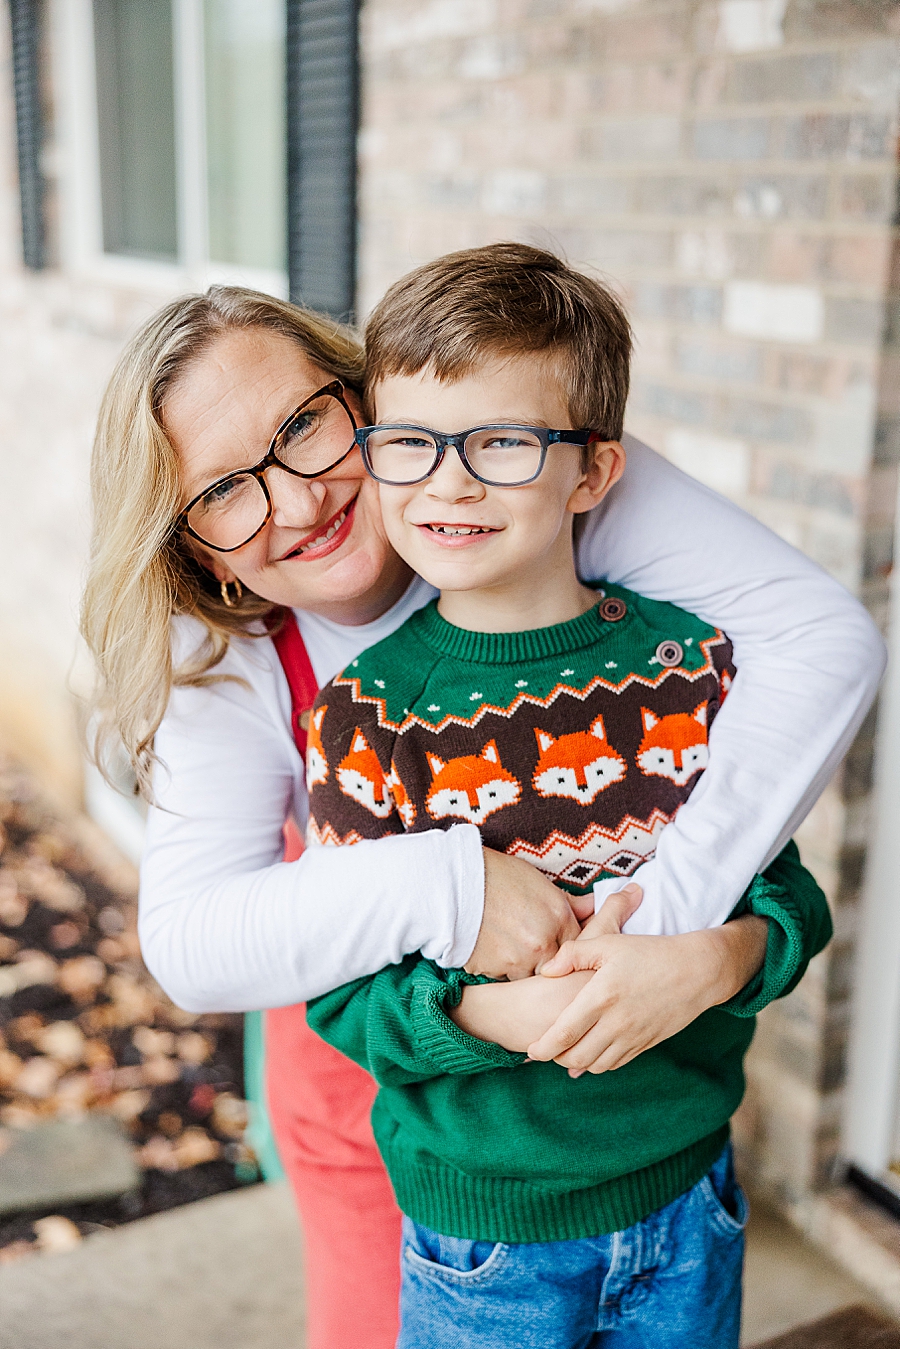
pixel 497 1208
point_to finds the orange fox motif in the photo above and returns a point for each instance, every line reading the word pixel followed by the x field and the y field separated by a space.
pixel 361 777
pixel 471 787
pixel 405 807
pixel 316 763
pixel 675 746
pixel 580 765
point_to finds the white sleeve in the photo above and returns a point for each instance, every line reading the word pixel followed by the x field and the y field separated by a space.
pixel 224 925
pixel 809 660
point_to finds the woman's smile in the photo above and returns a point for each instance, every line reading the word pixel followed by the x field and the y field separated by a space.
pixel 325 538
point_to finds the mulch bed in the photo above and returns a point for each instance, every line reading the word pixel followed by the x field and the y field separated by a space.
pixel 851 1328
pixel 84 1027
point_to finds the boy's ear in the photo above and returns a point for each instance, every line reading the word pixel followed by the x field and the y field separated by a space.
pixel 606 466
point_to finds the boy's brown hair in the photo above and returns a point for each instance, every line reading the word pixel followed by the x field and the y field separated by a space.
pixel 507 299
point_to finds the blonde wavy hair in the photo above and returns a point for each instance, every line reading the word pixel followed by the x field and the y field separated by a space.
pixel 141 570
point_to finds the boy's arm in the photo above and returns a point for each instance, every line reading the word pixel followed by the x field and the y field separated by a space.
pixel 412 1022
pixel 809 661
pixel 608 1022
pixel 800 927
pixel 397 1026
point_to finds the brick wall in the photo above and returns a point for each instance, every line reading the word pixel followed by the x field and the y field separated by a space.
pixel 732 167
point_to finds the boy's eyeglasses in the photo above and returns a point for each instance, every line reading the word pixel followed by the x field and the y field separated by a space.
pixel 498 456
pixel 315 438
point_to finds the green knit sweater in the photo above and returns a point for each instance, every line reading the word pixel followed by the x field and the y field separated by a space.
pixel 570 745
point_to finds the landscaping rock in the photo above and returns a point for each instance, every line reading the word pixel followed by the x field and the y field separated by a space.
pixel 85 1032
pixel 64 1162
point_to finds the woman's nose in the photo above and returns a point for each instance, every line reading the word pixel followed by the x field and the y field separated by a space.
pixel 296 502
pixel 451 481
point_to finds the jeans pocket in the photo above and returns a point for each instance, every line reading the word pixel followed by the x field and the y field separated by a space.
pixel 451 1259
pixel 723 1198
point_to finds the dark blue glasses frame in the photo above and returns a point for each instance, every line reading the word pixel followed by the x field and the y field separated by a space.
pixel 457 441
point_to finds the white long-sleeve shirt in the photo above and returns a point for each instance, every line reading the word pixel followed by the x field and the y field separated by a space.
pixel 225 926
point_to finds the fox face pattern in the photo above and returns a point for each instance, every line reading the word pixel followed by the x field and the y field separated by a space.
pixel 316 763
pixel 580 765
pixel 405 806
pixel 361 777
pixel 674 747
pixel 471 787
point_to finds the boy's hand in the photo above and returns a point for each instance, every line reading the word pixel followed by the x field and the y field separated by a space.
pixel 526 919
pixel 645 990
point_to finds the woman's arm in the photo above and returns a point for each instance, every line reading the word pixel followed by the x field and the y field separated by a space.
pixel 224 925
pixel 809 660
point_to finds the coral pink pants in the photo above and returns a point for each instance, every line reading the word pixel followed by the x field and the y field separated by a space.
pixel 319 1104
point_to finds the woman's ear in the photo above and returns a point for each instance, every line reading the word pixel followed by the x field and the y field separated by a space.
pixel 211 561
pixel 605 467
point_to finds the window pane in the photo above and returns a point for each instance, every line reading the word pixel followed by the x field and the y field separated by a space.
pixel 245 135
pixel 137 127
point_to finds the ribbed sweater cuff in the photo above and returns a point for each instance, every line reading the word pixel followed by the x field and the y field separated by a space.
pixel 784 947
pixel 448 1048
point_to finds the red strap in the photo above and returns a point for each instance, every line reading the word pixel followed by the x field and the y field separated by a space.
pixel 302 683
pixel 301 679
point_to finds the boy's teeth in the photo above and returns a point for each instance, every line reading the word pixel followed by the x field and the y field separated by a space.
pixel 458 529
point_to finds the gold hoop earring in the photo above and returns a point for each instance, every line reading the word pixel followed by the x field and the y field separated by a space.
pixel 238 593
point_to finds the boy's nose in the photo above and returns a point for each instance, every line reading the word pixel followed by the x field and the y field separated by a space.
pixel 451 481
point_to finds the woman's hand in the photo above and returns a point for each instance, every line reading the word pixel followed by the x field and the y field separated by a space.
pixel 515 1014
pixel 526 919
pixel 644 989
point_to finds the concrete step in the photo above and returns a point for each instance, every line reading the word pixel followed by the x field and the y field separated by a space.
pixel 223 1273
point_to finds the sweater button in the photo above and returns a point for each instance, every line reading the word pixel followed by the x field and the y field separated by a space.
pixel 611 610
pixel 670 654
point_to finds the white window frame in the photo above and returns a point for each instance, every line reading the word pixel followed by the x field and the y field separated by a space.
pixel 870 1138
pixel 77 163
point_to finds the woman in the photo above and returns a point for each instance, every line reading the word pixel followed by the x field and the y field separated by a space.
pixel 203 706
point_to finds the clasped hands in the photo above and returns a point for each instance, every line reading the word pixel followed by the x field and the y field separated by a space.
pixel 604 996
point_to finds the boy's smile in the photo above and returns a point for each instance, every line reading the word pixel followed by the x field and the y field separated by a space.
pixel 501 556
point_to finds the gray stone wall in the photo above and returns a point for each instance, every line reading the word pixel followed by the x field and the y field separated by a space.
pixel 731 168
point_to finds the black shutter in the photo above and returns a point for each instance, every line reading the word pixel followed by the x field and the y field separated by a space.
pixel 322 118
pixel 25 20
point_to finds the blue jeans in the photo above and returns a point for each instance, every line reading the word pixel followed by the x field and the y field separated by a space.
pixel 672 1281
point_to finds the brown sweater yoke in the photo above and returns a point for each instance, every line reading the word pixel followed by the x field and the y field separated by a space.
pixel 572 746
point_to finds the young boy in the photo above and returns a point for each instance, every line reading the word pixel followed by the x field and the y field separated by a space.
pixel 569 724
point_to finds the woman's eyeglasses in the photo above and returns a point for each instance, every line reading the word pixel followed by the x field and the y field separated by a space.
pixel 498 456
pixel 312 440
